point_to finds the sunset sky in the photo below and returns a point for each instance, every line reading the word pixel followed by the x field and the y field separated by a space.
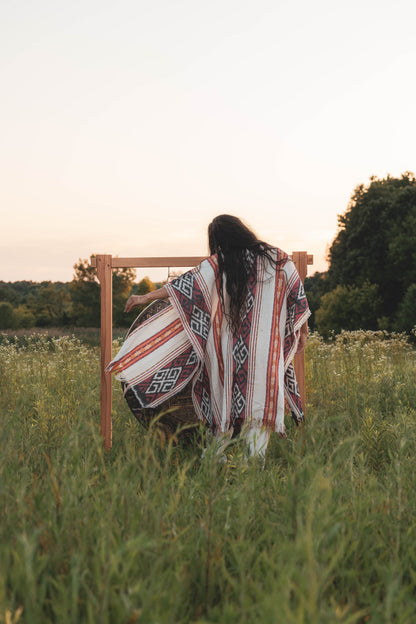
pixel 127 126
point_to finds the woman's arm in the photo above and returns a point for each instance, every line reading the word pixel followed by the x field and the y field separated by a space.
pixel 136 300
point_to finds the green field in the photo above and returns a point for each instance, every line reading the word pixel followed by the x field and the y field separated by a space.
pixel 151 533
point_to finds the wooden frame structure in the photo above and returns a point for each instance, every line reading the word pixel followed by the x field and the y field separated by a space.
pixel 105 263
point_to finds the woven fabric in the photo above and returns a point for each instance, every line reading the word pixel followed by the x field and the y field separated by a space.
pixel 236 379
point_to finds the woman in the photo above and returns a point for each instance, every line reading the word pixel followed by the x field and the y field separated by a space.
pixel 233 327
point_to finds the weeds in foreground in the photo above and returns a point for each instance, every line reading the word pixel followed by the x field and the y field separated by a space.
pixel 155 533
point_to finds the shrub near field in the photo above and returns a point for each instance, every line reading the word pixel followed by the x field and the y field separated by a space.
pixel 152 533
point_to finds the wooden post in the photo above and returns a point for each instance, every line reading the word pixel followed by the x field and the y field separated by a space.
pixel 104 271
pixel 300 260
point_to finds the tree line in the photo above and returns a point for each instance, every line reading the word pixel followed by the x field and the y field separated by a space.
pixel 370 283
pixel 27 304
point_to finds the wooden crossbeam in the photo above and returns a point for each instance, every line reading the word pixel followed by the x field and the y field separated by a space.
pixel 147 263
pixel 168 261
pixel 105 263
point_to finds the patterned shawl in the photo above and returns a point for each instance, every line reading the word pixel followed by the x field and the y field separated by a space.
pixel 235 378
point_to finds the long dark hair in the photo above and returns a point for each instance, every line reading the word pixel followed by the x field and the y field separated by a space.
pixel 237 248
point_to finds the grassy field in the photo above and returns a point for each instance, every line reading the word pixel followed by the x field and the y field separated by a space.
pixel 151 533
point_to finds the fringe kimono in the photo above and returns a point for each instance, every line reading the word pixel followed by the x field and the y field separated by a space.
pixel 236 379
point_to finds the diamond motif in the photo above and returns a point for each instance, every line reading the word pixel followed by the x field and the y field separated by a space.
pixel 240 353
pixel 163 380
pixel 249 301
pixel 200 322
pixel 206 406
pixel 185 284
pixel 192 359
pixel 238 402
pixel 290 381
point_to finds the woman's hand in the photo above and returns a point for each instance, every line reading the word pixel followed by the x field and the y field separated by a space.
pixel 137 300
pixel 134 301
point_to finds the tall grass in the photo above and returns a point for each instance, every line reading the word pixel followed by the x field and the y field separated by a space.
pixel 153 533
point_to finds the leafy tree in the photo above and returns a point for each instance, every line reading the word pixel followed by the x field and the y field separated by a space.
pixel 17 292
pixel 122 287
pixel 349 307
pixel 51 304
pixel 8 293
pixel 315 286
pixel 86 297
pixel 376 240
pixel 144 286
pixel 7 316
pixel 406 313
pixel 24 317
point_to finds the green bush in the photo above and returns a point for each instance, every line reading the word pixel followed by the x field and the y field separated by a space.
pixel 349 308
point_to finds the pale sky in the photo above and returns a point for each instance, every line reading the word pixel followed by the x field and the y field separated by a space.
pixel 127 126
